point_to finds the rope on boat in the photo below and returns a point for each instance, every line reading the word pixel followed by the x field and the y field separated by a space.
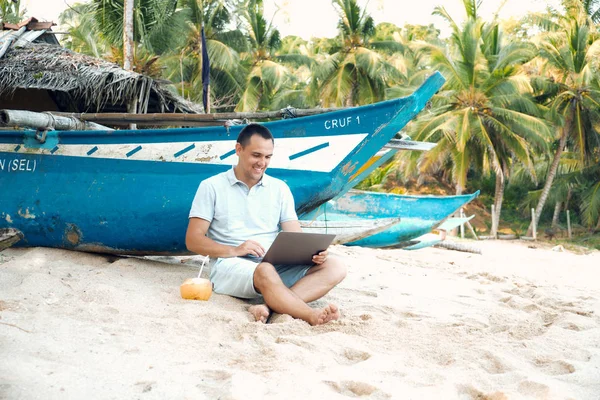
pixel 288 112
pixel 233 122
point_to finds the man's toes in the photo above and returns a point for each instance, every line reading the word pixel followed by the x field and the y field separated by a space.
pixel 259 312
pixel 322 317
pixel 332 312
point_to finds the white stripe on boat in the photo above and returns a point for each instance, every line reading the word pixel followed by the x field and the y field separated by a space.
pixel 319 153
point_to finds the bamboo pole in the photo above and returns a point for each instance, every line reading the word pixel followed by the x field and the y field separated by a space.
pixel 462 226
pixel 468 223
pixel 186 119
pixel 569 224
pixel 45 121
pixel 132 107
pixel 472 230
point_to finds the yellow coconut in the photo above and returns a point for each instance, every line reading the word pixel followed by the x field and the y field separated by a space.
pixel 196 289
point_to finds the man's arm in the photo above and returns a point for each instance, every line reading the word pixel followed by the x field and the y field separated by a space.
pixel 197 242
pixel 291 226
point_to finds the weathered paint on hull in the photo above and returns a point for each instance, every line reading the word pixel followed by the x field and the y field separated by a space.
pixel 419 214
pixel 120 206
pixel 62 194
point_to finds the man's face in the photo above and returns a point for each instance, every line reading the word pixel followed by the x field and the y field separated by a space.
pixel 254 159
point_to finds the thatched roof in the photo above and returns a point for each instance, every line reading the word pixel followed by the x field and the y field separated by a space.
pixel 80 83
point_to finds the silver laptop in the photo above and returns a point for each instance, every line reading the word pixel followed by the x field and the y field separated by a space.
pixel 291 248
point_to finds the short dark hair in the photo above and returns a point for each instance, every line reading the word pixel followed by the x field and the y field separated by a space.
pixel 254 129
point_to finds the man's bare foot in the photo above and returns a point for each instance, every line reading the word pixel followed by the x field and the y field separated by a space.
pixel 333 313
pixel 260 312
pixel 324 315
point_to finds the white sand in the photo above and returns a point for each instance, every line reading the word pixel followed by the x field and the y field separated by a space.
pixel 512 323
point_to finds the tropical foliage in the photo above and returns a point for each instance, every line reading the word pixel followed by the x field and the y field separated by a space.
pixel 485 117
pixel 10 11
pixel 568 85
pixel 355 73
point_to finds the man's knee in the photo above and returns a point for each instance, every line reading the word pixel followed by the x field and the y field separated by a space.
pixel 337 270
pixel 342 271
pixel 265 274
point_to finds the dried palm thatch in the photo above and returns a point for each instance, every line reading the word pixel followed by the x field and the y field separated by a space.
pixel 80 83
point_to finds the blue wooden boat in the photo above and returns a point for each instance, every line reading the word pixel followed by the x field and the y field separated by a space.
pixel 129 191
pixel 419 214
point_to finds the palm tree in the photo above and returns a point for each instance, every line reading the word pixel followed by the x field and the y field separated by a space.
pixel 158 25
pixel 564 183
pixel 570 83
pixel 300 57
pixel 590 203
pixel 84 35
pixel 184 63
pixel 580 187
pixel 413 64
pixel 267 76
pixel 355 73
pixel 484 117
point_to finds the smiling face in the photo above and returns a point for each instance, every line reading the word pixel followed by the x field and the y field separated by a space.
pixel 254 158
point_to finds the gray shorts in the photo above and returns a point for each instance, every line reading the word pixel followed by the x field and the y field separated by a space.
pixel 235 276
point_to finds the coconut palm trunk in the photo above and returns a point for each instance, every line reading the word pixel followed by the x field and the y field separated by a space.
pixel 553 169
pixel 555 216
pixel 128 51
pixel 128 35
pixel 350 99
pixel 498 199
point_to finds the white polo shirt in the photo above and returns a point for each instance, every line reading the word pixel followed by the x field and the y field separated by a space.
pixel 237 213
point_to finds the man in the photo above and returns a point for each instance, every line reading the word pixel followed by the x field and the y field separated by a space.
pixel 237 214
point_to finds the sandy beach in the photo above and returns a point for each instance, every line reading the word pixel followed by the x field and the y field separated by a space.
pixel 519 321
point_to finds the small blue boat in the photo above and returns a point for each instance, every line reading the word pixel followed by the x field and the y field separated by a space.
pixel 129 191
pixel 418 214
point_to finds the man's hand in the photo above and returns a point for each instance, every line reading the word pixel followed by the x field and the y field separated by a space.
pixel 320 258
pixel 250 247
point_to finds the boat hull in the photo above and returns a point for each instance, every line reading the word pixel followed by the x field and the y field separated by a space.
pixel 118 207
pixel 419 214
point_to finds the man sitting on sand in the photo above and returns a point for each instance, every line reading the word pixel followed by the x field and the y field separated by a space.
pixel 238 213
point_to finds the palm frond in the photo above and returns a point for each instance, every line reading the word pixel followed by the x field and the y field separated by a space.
pixel 388 46
pixel 295 60
pixel 590 206
pixel 250 99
